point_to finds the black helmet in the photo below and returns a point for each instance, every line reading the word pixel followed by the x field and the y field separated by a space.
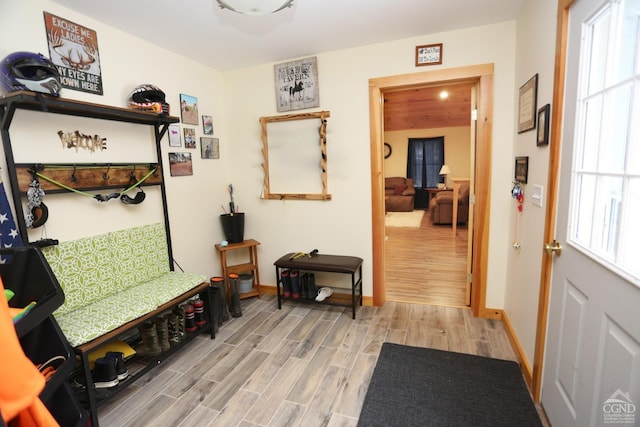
pixel 148 97
pixel 29 71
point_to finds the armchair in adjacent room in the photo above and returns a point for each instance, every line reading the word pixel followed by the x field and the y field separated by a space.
pixel 441 206
pixel 399 194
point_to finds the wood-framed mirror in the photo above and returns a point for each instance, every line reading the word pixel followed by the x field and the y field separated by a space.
pixel 294 149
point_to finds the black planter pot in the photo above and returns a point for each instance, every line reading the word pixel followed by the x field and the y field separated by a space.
pixel 233 227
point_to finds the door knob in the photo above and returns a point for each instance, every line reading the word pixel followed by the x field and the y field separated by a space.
pixel 553 247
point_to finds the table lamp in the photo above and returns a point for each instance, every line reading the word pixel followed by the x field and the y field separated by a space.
pixel 445 170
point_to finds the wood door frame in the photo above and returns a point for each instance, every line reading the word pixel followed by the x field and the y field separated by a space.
pixel 562 27
pixel 483 75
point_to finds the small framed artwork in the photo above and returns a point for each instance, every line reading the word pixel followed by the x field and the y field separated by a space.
pixel 429 54
pixel 207 125
pixel 189 138
pixel 522 169
pixel 543 126
pixel 180 164
pixel 174 136
pixel 527 104
pixel 209 148
pixel 189 109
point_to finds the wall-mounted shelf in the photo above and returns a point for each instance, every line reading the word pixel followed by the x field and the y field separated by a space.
pixel 87 177
pixel 51 104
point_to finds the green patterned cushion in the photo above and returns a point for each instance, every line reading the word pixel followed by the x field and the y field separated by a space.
pixel 96 319
pixel 93 320
pixel 170 285
pixel 139 254
pixel 114 278
pixel 84 270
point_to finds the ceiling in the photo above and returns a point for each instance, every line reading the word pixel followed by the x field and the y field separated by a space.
pixel 224 40
pixel 423 108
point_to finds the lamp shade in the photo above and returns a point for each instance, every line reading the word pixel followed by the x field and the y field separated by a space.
pixel 254 7
pixel 445 170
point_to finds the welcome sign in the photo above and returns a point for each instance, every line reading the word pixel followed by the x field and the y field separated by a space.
pixel 74 51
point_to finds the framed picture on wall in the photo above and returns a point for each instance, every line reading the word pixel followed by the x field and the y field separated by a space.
pixel 180 164
pixel 209 148
pixel 189 109
pixel 207 125
pixel 429 54
pixel 189 137
pixel 174 136
pixel 522 169
pixel 543 126
pixel 527 104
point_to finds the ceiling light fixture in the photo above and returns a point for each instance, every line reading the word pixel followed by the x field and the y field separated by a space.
pixel 254 7
pixel 444 94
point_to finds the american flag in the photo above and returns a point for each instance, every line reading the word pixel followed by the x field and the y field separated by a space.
pixel 9 236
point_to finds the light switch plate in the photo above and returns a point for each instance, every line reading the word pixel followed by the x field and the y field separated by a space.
pixel 536 196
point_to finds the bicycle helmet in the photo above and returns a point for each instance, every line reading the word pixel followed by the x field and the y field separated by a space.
pixel 29 71
pixel 148 97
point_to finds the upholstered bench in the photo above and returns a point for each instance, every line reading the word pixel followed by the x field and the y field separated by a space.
pixel 114 278
pixel 114 282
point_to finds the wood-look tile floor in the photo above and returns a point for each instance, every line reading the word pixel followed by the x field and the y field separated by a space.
pixel 426 265
pixel 305 365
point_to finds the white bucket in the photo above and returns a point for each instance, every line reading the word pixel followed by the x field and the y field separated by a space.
pixel 245 282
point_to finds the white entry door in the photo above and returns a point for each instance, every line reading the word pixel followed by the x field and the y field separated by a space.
pixel 591 374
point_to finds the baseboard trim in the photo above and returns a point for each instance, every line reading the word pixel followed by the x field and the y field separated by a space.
pixel 267 289
pixel 490 313
pixel 517 349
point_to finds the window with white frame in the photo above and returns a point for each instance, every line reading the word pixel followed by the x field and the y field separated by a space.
pixel 605 219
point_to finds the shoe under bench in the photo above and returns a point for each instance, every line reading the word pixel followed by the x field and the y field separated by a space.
pixel 324 263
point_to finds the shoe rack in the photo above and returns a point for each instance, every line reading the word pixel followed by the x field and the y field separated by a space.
pixel 28 275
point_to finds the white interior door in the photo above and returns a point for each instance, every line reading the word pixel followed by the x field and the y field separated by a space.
pixel 591 370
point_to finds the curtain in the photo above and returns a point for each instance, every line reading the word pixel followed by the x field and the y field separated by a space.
pixel 425 157
pixel 424 160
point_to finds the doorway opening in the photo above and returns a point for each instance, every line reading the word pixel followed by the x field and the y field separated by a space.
pixel 482 77
pixel 432 141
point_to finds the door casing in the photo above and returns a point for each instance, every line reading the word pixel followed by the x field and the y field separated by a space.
pixel 555 130
pixel 483 76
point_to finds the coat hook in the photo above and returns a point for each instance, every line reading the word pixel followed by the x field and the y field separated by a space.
pixel 73 174
pixel 105 175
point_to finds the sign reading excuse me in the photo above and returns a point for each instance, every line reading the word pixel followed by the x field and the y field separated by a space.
pixel 74 51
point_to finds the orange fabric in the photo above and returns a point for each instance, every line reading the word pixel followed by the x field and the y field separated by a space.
pixel 20 381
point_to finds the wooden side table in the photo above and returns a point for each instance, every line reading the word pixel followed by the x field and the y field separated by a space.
pixel 251 266
pixel 457 183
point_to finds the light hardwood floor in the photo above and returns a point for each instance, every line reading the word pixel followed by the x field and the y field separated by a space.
pixel 304 365
pixel 426 265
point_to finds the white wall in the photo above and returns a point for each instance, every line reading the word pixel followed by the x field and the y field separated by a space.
pixel 343 225
pixel 535 54
pixel 194 201
pixel 236 99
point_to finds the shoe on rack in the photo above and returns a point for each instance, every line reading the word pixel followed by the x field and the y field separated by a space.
pixel 294 276
pixel 324 293
pixel 286 284
pixel 104 373
pixel 312 289
pixel 150 345
pixel 121 369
